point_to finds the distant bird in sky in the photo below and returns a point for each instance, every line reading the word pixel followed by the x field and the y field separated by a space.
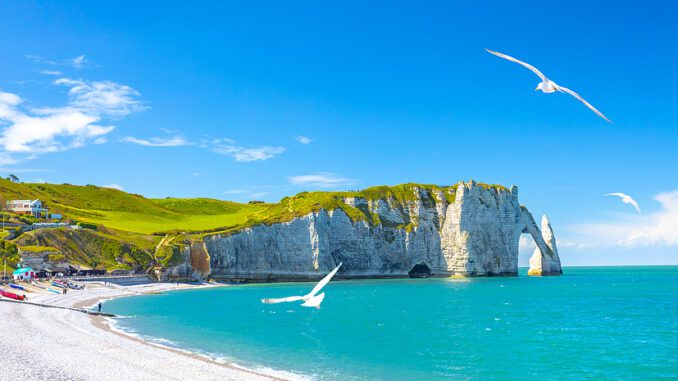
pixel 548 86
pixel 626 199
pixel 310 299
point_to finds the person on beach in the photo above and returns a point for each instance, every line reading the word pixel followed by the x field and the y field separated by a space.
pixel 99 306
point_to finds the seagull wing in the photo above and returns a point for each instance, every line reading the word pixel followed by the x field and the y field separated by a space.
pixel 566 90
pixel 626 199
pixel 534 69
pixel 282 300
pixel 635 204
pixel 324 281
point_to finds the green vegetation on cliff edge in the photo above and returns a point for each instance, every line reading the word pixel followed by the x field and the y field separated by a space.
pixel 137 232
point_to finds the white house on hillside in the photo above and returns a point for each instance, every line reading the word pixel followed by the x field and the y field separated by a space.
pixel 32 207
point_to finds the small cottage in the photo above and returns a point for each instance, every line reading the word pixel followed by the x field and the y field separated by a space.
pixel 25 274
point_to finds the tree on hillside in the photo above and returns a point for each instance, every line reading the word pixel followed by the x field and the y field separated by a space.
pixel 8 255
pixel 13 178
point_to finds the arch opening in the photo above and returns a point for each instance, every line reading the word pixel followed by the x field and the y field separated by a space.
pixel 526 248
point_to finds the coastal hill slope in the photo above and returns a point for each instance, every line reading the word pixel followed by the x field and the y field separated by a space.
pixel 134 213
pixel 130 212
pixel 189 237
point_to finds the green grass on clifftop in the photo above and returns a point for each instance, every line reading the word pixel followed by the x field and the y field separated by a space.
pixel 134 213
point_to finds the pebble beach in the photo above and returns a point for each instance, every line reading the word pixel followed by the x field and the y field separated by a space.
pixel 42 343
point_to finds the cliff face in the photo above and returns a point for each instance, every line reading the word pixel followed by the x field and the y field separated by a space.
pixel 476 234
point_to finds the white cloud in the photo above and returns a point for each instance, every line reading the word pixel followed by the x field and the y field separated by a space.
pixel 656 229
pixel 51 72
pixel 39 59
pixel 114 186
pixel 107 98
pixel 304 139
pixel 157 142
pixel 662 228
pixel 77 62
pixel 244 154
pixel 30 131
pixel 322 179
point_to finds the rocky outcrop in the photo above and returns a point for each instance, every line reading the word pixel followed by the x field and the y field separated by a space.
pixel 544 264
pixel 473 230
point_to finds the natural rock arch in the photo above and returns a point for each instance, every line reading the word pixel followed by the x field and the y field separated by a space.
pixel 544 259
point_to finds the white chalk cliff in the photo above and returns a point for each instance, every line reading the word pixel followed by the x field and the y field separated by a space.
pixel 476 234
pixel 541 264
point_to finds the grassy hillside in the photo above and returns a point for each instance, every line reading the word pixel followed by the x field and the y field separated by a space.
pixel 129 212
pixel 134 232
pixel 134 213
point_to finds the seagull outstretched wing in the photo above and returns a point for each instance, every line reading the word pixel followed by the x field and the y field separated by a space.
pixel 324 281
pixel 620 195
pixel 282 300
pixel 310 299
pixel 568 91
pixel 626 199
pixel 525 64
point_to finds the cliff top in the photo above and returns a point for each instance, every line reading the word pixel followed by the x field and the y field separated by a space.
pixel 128 212
pixel 130 229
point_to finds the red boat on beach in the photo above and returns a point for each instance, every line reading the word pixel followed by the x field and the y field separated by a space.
pixel 11 295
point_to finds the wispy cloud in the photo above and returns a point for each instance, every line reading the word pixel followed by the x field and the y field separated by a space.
pixel 656 229
pixel 42 60
pixel 251 192
pixel 174 141
pixel 245 154
pixel 322 179
pixel 51 72
pixel 107 97
pixel 22 170
pixel 78 62
pixel 31 131
pixel 304 139
pixel 114 186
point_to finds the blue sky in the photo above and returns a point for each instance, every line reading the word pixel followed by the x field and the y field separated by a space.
pixel 207 99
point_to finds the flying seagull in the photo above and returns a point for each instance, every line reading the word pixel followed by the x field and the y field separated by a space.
pixel 310 299
pixel 548 86
pixel 626 199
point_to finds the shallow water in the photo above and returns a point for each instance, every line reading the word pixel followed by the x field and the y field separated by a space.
pixel 590 323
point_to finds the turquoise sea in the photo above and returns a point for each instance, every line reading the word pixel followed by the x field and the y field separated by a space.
pixel 614 323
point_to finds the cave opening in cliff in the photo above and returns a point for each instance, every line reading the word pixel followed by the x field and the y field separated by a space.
pixel 420 270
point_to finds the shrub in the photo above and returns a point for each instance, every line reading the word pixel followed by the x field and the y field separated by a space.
pixel 87 225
